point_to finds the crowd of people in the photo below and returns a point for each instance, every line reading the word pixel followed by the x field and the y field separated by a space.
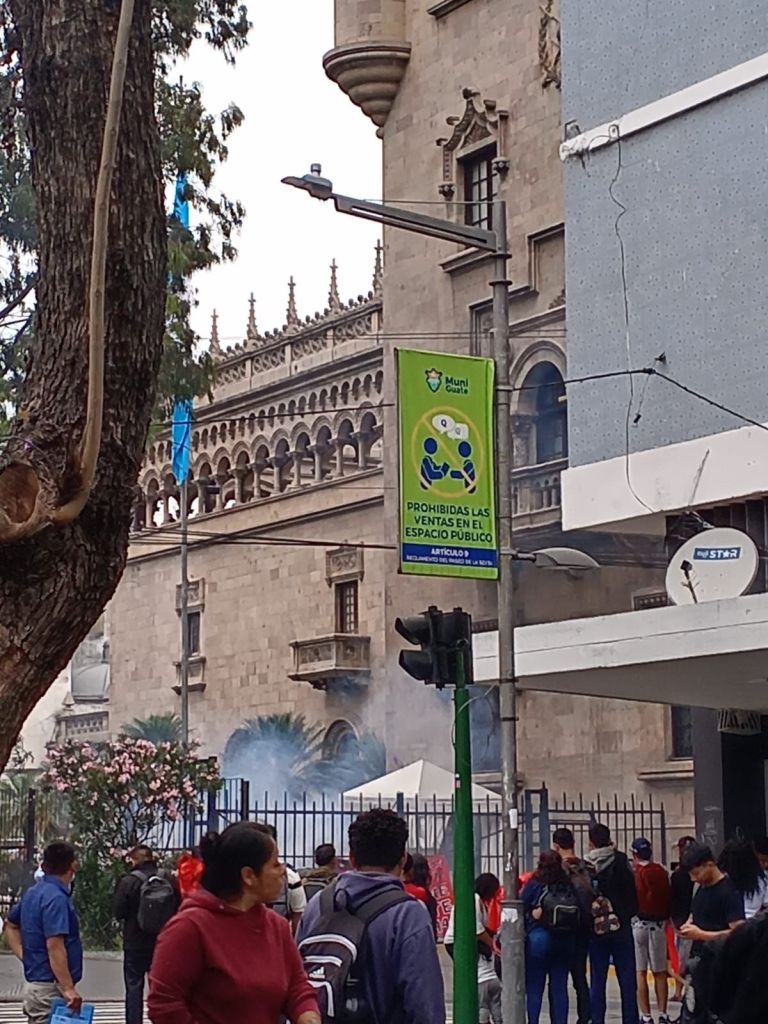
pixel 234 935
pixel 703 928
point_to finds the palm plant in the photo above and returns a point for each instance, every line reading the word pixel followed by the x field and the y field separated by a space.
pixel 155 729
pixel 358 762
pixel 284 754
pixel 275 752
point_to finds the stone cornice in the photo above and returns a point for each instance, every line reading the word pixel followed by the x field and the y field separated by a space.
pixel 370 73
pixel 443 7
pixel 266 530
pixel 246 401
pixel 319 326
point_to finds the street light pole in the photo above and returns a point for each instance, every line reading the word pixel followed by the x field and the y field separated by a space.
pixel 494 242
pixel 184 614
pixel 512 932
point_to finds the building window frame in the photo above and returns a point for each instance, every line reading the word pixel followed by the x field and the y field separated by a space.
pixel 551 418
pixel 194 633
pixel 481 178
pixel 680 733
pixel 347 607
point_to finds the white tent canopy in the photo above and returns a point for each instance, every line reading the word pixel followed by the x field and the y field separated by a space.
pixel 421 780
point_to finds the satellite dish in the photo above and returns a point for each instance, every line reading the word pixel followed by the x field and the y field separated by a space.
pixel 716 564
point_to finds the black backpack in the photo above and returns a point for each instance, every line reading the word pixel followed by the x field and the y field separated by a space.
pixel 561 909
pixel 334 954
pixel 157 901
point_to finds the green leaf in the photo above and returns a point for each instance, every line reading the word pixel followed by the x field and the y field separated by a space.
pixel 193 143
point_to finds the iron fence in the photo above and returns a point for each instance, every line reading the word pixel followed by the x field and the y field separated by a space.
pixel 28 820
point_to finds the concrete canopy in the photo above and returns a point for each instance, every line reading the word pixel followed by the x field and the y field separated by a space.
pixel 712 655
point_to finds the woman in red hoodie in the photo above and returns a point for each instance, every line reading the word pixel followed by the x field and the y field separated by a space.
pixel 225 958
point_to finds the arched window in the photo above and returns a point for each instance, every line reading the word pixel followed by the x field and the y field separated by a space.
pixel 551 414
pixel 340 742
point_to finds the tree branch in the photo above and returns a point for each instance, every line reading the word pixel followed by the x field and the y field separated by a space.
pixel 19 298
pixel 91 442
pixel 25 504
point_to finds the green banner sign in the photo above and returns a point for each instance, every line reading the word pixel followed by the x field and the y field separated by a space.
pixel 447 492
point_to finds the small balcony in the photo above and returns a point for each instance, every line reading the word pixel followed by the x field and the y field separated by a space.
pixel 536 494
pixel 329 661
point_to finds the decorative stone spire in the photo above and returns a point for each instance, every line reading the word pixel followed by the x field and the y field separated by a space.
pixel 215 343
pixel 252 332
pixel 378 270
pixel 334 302
pixel 292 317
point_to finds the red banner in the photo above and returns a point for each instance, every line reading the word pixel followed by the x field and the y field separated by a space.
pixel 442 890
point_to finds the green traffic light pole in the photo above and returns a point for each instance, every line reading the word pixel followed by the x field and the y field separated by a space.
pixel 465 994
pixel 445 659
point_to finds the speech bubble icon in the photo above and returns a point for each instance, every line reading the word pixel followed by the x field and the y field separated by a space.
pixel 459 432
pixel 443 423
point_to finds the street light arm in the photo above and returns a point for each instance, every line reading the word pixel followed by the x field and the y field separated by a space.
pixel 436 227
pixel 462 234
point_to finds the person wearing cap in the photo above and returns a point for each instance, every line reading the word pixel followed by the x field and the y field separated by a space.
pixel 649 929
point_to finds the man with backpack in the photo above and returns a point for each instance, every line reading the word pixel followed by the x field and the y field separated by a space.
pixel 578 872
pixel 145 900
pixel 325 871
pixel 649 929
pixel 612 942
pixel 367 946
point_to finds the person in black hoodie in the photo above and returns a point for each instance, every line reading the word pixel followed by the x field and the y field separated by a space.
pixel 138 945
pixel 614 880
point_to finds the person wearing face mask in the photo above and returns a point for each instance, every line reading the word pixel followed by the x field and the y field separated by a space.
pixel 225 958
pixel 44 933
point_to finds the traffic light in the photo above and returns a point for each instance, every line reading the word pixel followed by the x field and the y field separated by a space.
pixel 445 639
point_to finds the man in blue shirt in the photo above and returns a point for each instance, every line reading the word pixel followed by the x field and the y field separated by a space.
pixel 44 933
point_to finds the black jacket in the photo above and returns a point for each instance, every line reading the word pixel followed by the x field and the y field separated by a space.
pixel 125 906
pixel 682 897
pixel 617 883
pixel 737 990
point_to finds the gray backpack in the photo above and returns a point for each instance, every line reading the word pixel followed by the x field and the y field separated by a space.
pixel 157 901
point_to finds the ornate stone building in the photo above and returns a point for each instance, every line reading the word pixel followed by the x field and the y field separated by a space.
pixel 294 487
pixel 285 497
pixel 465 95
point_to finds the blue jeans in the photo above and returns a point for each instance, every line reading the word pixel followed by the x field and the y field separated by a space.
pixel 547 956
pixel 618 947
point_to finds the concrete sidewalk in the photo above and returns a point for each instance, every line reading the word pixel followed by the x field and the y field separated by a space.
pixel 102 978
pixel 103 983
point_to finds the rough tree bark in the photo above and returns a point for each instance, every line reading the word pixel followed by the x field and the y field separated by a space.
pixel 54 585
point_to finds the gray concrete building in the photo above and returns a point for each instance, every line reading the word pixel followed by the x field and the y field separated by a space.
pixel 665 110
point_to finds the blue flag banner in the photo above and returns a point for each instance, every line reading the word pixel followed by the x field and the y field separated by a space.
pixel 181 436
pixel 180 203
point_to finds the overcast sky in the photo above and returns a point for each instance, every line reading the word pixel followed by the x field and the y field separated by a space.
pixel 294 116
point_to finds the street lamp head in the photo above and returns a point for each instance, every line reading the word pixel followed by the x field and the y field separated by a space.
pixel 314 183
pixel 565 559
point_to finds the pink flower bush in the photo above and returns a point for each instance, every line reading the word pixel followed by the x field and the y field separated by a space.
pixel 128 791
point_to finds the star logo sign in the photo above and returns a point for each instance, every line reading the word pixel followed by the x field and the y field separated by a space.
pixel 434 380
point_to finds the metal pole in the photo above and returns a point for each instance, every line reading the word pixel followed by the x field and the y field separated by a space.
pixel 465 994
pixel 512 932
pixel 184 615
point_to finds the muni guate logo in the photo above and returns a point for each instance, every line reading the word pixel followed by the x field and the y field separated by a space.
pixel 453 385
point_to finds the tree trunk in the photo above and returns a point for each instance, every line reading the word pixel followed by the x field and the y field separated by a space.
pixel 54 585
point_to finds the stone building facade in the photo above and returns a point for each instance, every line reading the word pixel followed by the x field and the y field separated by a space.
pixel 293 558
pixel 465 95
